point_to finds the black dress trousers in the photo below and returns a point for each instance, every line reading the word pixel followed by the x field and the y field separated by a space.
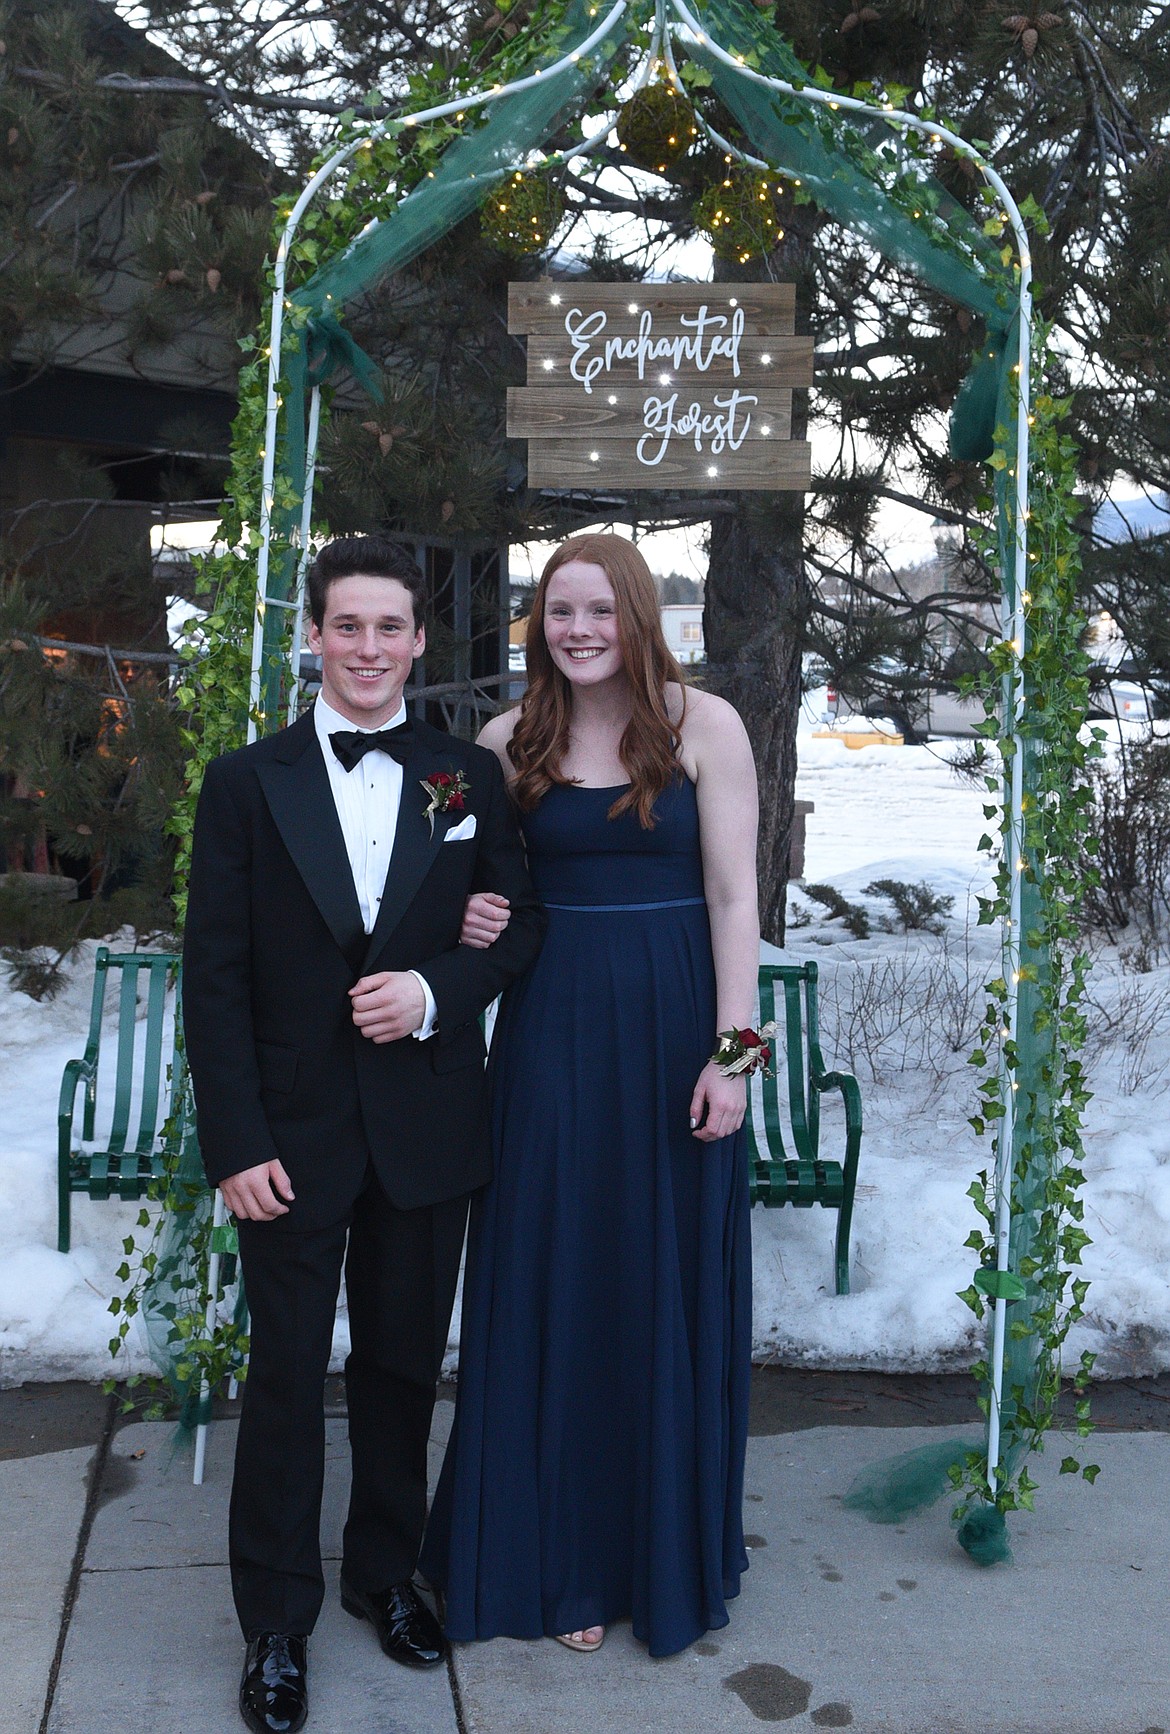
pixel 401 1269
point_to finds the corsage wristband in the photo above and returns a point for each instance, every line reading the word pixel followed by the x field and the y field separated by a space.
pixel 741 1052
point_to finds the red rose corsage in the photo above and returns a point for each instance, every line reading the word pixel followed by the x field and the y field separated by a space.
pixel 741 1052
pixel 446 790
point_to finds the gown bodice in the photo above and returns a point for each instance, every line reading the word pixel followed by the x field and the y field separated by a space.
pixel 579 857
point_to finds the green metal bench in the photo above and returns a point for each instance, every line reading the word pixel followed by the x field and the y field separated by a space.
pixel 124 1162
pixel 801 1178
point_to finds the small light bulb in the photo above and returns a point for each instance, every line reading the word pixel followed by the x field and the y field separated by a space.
pixel 548 366
pixel 555 300
pixel 765 361
pixel 712 470
pixel 594 457
pixel 633 306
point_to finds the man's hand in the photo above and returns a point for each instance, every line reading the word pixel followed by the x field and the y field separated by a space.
pixel 259 1194
pixel 724 1100
pixel 484 919
pixel 388 1006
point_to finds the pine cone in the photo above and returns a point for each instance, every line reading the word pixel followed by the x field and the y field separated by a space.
pixel 213 278
pixel 1049 21
pixel 176 274
pixel 850 22
pixel 869 15
pixel 1030 38
pixel 1016 23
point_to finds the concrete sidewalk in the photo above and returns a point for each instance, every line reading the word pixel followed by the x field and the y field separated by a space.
pixel 887 1630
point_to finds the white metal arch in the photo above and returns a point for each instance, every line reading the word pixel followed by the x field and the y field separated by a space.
pixel 681 25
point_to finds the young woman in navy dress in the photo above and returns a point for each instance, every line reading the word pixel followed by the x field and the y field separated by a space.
pixel 595 1470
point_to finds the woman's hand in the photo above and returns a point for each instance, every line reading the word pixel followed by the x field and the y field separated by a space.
pixel 484 919
pixel 725 1100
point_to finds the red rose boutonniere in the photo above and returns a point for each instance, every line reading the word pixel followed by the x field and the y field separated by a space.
pixel 446 790
pixel 739 1051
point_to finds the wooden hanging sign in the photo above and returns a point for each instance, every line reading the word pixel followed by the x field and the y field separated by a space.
pixel 660 385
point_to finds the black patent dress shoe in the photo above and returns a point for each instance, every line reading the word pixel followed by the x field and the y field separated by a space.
pixel 407 1629
pixel 274 1692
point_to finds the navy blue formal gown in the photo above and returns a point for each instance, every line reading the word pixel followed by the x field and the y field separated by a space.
pixel 595 1470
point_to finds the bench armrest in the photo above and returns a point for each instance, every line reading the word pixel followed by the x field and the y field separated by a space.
pixel 75 1073
pixel 847 1084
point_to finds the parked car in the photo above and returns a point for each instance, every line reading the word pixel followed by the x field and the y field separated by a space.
pixel 1119 701
pixel 933 710
pixel 937 707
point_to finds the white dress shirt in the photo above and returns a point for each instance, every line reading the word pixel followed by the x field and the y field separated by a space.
pixel 367 800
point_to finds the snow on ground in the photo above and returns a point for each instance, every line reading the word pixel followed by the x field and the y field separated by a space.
pixel 899 1010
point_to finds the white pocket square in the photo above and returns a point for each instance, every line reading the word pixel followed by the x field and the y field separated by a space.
pixel 463 832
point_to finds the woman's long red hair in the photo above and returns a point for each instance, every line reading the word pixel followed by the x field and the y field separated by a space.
pixel 649 746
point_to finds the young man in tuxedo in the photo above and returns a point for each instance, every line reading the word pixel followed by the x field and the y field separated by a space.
pixel 331 1018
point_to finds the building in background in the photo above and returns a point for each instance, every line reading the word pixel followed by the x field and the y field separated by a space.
pixel 682 622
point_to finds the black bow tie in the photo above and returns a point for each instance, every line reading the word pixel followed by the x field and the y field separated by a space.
pixel 351 745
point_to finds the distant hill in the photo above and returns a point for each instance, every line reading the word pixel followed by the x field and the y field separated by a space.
pixel 1140 517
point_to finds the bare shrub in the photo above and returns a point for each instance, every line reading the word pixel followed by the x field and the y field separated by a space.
pixel 1130 834
pixel 904 1013
pixel 1136 1027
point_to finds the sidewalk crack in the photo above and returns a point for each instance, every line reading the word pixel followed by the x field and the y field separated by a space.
pixel 97 1472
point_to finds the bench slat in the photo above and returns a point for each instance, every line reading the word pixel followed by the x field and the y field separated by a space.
pixel 98 1179
pixel 124 1075
pixel 152 1056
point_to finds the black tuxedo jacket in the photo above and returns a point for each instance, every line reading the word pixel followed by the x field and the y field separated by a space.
pixel 273 942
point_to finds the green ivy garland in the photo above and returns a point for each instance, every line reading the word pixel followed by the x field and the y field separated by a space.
pixel 1056 838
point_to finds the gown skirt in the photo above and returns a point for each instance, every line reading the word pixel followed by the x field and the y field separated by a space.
pixel 595 1470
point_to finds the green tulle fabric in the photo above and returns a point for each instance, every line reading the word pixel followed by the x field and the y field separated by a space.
pixel 895 1487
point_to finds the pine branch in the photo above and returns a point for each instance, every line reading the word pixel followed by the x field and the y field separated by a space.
pixel 218 94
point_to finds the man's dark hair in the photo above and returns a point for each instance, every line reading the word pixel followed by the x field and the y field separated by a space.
pixel 364 557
